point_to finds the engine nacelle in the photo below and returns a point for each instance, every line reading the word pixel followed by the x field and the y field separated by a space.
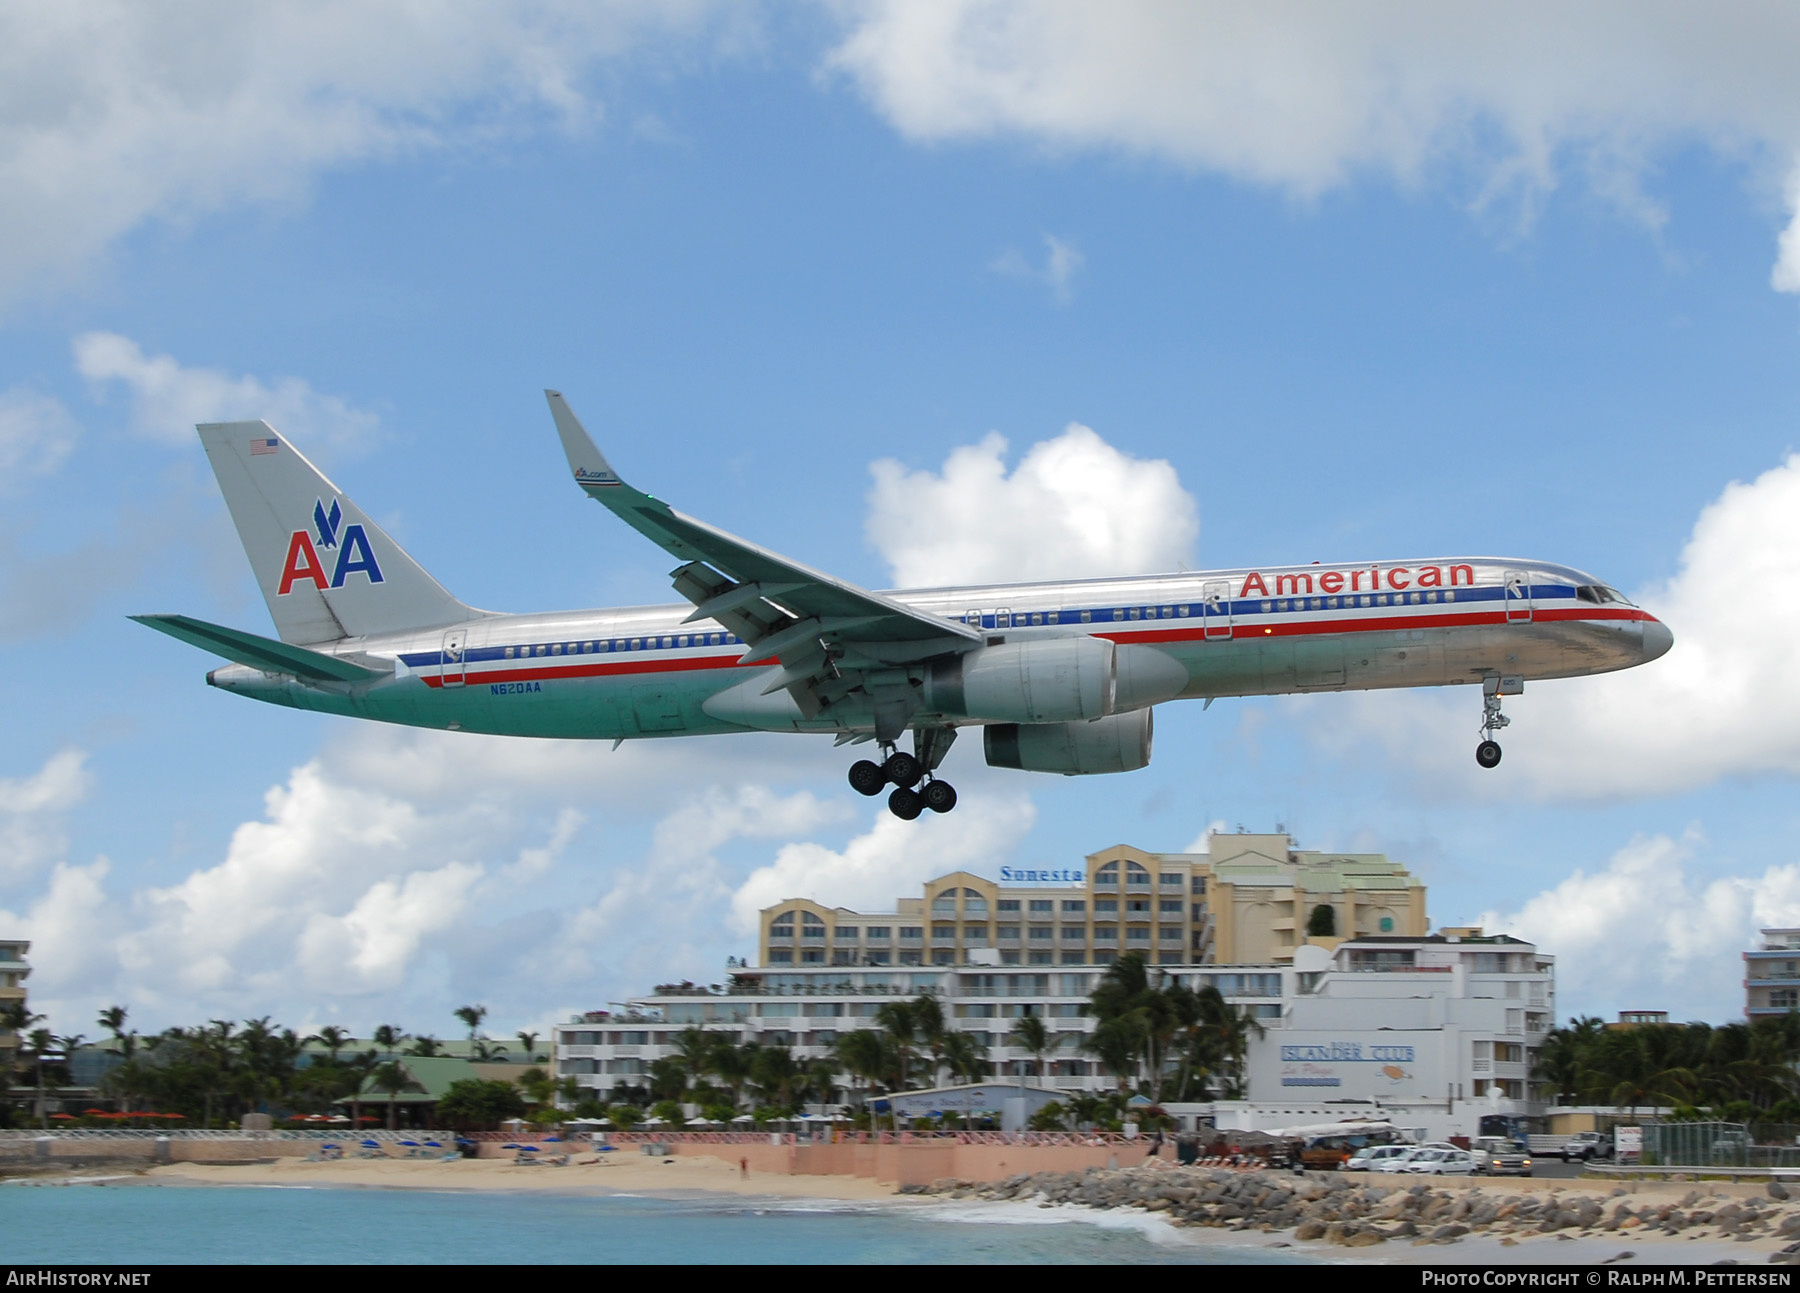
pixel 1117 743
pixel 1048 681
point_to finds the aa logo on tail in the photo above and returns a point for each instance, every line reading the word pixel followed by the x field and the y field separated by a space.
pixel 303 564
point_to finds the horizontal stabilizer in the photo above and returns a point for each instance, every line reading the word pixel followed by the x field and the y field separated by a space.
pixel 258 652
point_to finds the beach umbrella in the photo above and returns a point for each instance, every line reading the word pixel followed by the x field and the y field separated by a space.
pixel 432 1144
pixel 698 1122
pixel 69 1116
pixel 744 1117
pixel 410 1144
pixel 512 1146
pixel 371 1144
pixel 528 1149
pixel 101 1112
pixel 549 1138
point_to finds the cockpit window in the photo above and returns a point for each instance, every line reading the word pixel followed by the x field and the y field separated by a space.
pixel 1601 595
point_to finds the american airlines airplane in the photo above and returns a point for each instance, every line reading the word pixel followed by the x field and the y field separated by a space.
pixel 1061 677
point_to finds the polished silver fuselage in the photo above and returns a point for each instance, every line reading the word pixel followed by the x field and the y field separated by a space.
pixel 644 671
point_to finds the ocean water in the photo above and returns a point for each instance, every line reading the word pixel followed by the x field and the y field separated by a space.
pixel 132 1223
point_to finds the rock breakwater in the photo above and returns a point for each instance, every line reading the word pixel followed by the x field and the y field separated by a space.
pixel 1358 1213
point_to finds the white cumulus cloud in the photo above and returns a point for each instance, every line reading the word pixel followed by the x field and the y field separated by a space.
pixel 168 398
pixel 892 858
pixel 1500 99
pixel 1062 261
pixel 114 113
pixel 36 434
pixel 1642 933
pixel 1074 507
pixel 32 810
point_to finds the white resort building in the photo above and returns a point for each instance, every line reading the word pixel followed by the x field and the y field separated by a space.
pixel 1447 1022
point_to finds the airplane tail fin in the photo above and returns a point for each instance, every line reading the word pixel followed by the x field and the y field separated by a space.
pixel 326 570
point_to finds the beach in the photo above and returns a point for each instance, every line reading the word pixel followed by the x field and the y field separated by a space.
pixel 607 1173
pixel 691 1176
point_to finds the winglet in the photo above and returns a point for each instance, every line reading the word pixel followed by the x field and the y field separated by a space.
pixel 592 471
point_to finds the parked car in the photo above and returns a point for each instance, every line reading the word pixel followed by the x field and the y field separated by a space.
pixel 1397 1162
pixel 1504 1157
pixel 1442 1162
pixel 1587 1145
pixel 1364 1159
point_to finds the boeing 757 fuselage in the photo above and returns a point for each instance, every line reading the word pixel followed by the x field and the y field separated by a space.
pixel 1061 677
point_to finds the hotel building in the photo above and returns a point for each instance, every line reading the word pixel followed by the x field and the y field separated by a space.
pixel 1381 1010
pixel 1247 901
pixel 1772 975
pixel 13 972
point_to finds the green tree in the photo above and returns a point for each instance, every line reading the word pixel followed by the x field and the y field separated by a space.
pixel 392 1078
pixel 478 1104
pixel 426 1047
pixel 866 1055
pixel 529 1041
pixel 472 1016
pixel 1031 1034
pixel 333 1039
pixel 624 1116
pixel 1323 921
pixel 900 1021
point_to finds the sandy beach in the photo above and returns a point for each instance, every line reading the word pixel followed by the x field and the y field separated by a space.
pixel 689 1175
pixel 611 1174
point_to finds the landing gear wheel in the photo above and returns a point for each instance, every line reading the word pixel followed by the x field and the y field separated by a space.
pixel 903 770
pixel 939 796
pixel 867 778
pixel 1487 754
pixel 906 804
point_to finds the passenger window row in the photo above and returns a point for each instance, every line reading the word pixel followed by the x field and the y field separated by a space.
pixel 602 646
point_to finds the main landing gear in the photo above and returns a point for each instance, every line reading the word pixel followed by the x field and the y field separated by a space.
pixel 1493 687
pixel 904 772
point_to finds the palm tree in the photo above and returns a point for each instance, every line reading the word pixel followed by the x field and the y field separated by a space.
pixel 43 1044
pixel 733 1065
pixel 1032 1034
pixel 900 1021
pixel 333 1038
pixel 967 1058
pixel 483 1050
pixel 777 1076
pixel 928 1018
pixel 529 1042
pixel 864 1054
pixel 388 1038
pixel 393 1078
pixel 113 1020
pixel 472 1016
pixel 426 1047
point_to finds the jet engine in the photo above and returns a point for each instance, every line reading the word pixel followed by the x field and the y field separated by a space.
pixel 1046 681
pixel 1117 743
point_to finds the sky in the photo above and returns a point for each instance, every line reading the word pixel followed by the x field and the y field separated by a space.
pixel 918 293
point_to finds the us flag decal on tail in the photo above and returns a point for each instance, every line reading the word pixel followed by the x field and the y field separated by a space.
pixel 269 445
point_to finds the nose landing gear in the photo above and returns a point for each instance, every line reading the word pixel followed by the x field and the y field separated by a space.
pixel 904 772
pixel 1493 687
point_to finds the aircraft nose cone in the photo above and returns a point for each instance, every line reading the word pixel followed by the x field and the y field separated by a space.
pixel 1657 639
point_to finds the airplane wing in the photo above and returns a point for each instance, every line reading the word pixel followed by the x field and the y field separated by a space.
pixel 784 611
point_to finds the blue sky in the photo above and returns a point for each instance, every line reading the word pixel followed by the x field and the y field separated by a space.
pixel 1365 285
